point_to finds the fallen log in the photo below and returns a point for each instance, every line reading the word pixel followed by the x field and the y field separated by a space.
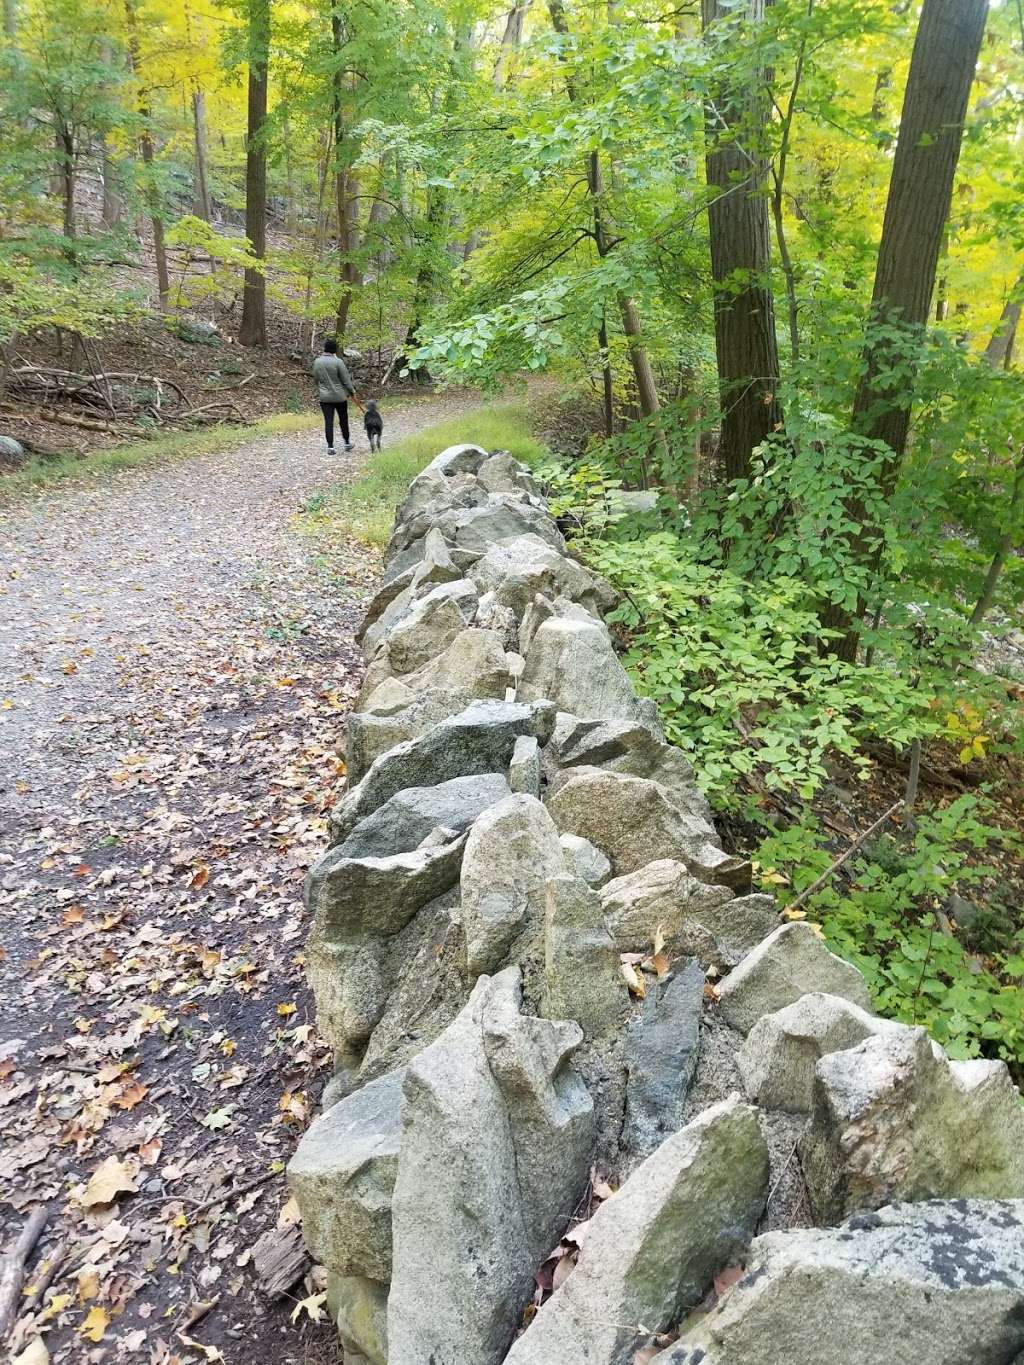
pixel 12 1267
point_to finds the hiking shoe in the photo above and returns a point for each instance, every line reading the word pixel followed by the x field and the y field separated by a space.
pixel 330 450
pixel 349 445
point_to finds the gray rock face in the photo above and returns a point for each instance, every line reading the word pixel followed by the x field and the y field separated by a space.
pixel 778 1059
pixel 373 731
pixel 893 1119
pixel 495 1153
pixel 661 895
pixel 478 528
pixel 632 819
pixel 502 473
pixel 516 570
pixel 430 625
pixel 360 1309
pixel 932 1283
pixel 788 964
pixel 475 662
pixel 511 853
pixel 651 1251
pixel 585 860
pixel 343 1173
pixel 524 769
pixel 661 1059
pixel 582 980
pixel 402 824
pixel 572 662
pixel 12 452
pixel 457 459
pixel 625 747
pixel 379 895
pixel 480 739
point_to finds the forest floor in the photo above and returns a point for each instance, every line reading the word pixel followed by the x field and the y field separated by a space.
pixel 176 659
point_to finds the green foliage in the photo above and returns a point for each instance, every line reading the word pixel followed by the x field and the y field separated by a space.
pixel 735 667
pixel 892 922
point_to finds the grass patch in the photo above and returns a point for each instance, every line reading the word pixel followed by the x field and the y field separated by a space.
pixel 171 445
pixel 365 508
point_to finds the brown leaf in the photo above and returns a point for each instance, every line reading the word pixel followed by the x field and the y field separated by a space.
pixel 111 1178
pixel 633 979
pixel 202 876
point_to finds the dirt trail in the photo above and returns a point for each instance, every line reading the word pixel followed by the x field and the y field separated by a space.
pixel 176 658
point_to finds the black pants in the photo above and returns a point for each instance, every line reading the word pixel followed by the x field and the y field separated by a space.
pixel 329 409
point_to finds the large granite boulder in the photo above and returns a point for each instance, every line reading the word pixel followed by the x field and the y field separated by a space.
pixel 410 816
pixel 933 1283
pixel 661 1050
pixel 893 1119
pixel 496 1146
pixel 571 661
pixel 516 570
pixel 786 965
pixel 651 1250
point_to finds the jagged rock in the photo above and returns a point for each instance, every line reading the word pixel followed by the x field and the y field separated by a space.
pixel 511 853
pixel 458 459
pixel 370 733
pixel 430 625
pixel 585 860
pixel 932 1283
pixel 347 979
pixel 503 473
pixel 572 662
pixel 582 980
pixel 661 1059
pixel 342 1175
pixel 632 819
pixel 495 1150
pixel 397 563
pixel 524 770
pixel 661 895
pixel 379 894
pixel 627 747
pixel 479 739
pixel 893 1119
pixel 516 570
pixel 402 824
pixel 777 1060
pixel 500 518
pixel 712 864
pixel 651 1250
pixel 788 964
pixel 360 1310
pixel 475 662
pixel 432 571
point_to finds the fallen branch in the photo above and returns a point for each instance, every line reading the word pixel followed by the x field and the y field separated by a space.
pixel 12 1267
pixel 210 407
pixel 827 874
pixel 238 384
pixel 65 419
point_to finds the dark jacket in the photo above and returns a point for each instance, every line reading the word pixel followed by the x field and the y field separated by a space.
pixel 332 379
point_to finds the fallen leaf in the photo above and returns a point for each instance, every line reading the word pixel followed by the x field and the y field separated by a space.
pixel 285 1010
pixel 210 1352
pixel 95 1324
pixel 313 1307
pixel 202 876
pixel 633 979
pixel 219 1118
pixel 111 1178
pixel 35 1353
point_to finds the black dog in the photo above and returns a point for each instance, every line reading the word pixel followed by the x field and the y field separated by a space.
pixel 374 424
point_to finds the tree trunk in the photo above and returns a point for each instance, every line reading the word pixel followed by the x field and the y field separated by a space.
pixel 66 144
pixel 346 184
pixel 1001 342
pixel 1006 543
pixel 253 328
pixel 920 193
pixel 511 40
pixel 607 387
pixel 204 208
pixel 10 20
pixel 745 340
pixel 146 148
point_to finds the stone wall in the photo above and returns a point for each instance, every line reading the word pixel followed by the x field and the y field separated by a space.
pixel 534 961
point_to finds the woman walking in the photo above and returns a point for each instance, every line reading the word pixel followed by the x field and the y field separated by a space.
pixel 334 388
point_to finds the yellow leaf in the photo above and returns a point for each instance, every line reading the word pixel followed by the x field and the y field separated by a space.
pixel 660 962
pixel 966 754
pixel 95 1324
pixel 793 914
pixel 111 1178
pixel 88 1284
pixel 56 1305
pixel 229 1047
pixel 313 1307
pixel 285 1010
pixel 6 704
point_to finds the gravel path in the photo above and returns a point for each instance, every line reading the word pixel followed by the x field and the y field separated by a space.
pixel 176 659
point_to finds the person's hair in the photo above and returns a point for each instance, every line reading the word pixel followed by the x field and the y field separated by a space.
pixel 331 346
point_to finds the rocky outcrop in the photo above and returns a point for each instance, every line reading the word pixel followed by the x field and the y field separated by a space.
pixel 536 965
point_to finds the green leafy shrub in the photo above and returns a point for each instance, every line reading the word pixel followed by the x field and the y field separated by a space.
pixel 892 923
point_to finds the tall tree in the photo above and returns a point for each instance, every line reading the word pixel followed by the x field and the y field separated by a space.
pixel 253 328
pixel 1000 347
pixel 737 169
pixel 148 153
pixel 916 212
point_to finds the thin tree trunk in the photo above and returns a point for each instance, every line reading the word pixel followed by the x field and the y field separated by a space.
pixel 203 205
pixel 345 184
pixel 745 341
pixel 66 143
pixel 253 328
pixel 607 386
pixel 146 148
pixel 1006 544
pixel 778 190
pixel 1001 342
pixel 511 40
pixel 10 20
pixel 111 213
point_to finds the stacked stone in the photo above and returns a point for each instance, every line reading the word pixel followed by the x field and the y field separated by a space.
pixel 514 825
